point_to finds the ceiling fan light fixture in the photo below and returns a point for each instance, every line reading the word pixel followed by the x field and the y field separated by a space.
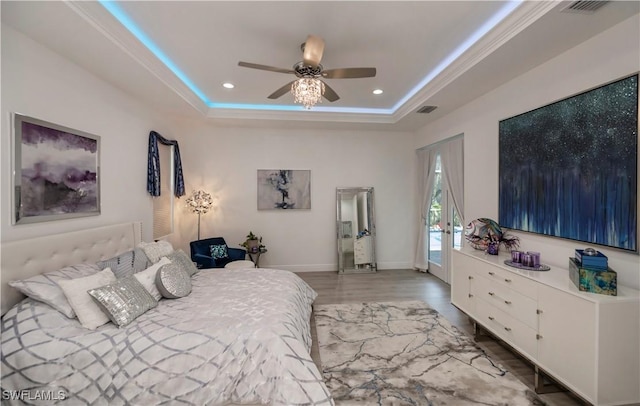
pixel 307 91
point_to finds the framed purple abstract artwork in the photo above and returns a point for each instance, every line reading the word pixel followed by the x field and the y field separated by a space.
pixel 56 172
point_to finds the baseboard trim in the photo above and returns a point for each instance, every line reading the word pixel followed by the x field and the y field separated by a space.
pixel 307 268
pixel 395 265
pixel 334 267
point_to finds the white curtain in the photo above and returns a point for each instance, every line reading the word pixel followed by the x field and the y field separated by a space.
pixel 452 164
pixel 426 177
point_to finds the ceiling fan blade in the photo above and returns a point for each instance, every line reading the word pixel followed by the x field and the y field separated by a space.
pixel 349 73
pixel 313 49
pixel 329 93
pixel 280 92
pixel 264 67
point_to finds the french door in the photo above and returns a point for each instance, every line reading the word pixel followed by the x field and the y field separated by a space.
pixel 443 227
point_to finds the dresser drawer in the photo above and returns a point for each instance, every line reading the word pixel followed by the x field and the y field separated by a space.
pixel 510 279
pixel 515 304
pixel 513 332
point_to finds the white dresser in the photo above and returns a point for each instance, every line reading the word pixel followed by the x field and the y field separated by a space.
pixel 590 343
pixel 363 250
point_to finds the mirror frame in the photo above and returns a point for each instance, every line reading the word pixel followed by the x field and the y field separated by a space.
pixel 341 226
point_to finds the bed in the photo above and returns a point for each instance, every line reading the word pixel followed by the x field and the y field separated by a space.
pixel 239 337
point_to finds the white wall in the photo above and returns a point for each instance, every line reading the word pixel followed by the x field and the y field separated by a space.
pixel 611 55
pixel 224 161
pixel 39 83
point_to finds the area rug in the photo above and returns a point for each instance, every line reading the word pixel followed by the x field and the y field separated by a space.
pixel 405 353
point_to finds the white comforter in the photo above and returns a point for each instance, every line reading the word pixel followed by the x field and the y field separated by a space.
pixel 241 336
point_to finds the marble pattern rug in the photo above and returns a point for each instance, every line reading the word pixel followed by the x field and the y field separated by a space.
pixel 405 353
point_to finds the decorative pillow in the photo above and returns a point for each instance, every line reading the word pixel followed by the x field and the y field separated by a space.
pixel 156 250
pixel 183 261
pixel 148 277
pixel 219 251
pixel 127 263
pixel 123 301
pixel 88 312
pixel 173 282
pixel 44 287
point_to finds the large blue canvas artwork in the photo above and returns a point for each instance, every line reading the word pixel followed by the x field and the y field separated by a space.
pixel 570 169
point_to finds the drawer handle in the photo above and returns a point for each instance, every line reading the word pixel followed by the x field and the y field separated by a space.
pixel 507 328
pixel 470 277
pixel 507 280
pixel 498 297
pixel 491 273
pixel 491 318
pixel 538 337
pixel 470 295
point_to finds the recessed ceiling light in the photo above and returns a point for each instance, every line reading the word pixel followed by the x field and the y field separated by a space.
pixel 377 91
pixel 126 21
pixel 228 85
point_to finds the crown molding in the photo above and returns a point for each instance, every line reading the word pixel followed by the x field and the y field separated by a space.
pixel 522 17
pixel 519 19
pixel 102 20
pixel 301 116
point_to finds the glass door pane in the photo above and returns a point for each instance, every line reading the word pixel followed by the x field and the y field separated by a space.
pixel 435 220
pixel 457 229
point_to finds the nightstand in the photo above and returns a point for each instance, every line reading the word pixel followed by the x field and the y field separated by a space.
pixel 255 257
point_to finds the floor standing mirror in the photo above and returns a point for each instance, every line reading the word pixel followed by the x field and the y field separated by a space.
pixel 356 230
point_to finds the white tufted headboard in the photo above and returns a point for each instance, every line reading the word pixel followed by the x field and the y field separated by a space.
pixel 26 258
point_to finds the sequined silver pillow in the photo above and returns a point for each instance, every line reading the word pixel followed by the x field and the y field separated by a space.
pixel 173 282
pixel 183 261
pixel 123 301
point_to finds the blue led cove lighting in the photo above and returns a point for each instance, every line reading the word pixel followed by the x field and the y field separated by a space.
pixel 125 20
pixel 128 23
pixel 479 33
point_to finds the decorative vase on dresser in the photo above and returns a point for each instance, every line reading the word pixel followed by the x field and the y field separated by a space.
pixel 587 342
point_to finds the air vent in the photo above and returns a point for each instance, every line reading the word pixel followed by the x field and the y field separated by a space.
pixel 426 109
pixel 584 6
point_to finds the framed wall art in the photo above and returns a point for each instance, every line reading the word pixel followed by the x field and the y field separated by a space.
pixel 56 172
pixel 284 189
pixel 569 169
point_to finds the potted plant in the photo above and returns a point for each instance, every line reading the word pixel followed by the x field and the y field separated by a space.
pixel 253 243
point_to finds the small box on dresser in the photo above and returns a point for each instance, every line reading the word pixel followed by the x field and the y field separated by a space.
pixel 604 282
pixel 597 261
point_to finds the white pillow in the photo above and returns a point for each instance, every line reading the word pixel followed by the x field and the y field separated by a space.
pixel 86 309
pixel 148 277
pixel 156 250
pixel 44 287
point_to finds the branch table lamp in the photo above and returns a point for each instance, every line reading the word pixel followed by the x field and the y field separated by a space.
pixel 200 202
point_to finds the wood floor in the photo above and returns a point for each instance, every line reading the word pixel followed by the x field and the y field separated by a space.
pixel 398 285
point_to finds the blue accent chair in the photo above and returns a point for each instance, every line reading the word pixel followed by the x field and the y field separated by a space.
pixel 201 253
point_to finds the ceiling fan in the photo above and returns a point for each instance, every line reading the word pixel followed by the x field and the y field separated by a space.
pixel 310 67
